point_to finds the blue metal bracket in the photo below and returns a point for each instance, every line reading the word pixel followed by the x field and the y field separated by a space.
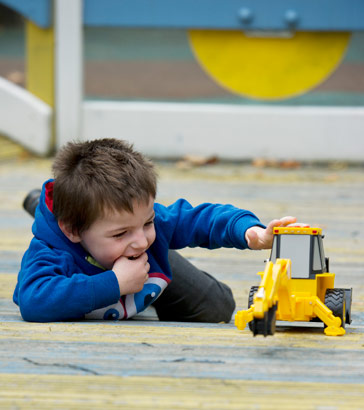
pixel 38 11
pixel 281 15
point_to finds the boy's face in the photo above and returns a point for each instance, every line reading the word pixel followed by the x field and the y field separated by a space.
pixel 120 234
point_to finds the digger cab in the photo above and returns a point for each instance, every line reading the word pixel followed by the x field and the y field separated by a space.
pixel 303 246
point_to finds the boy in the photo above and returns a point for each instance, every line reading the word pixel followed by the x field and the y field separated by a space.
pixel 100 246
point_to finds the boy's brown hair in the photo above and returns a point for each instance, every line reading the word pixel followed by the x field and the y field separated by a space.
pixel 93 177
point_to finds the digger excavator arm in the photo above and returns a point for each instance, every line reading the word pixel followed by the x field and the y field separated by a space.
pixel 262 313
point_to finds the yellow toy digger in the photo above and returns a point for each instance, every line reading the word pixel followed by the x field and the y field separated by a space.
pixel 296 286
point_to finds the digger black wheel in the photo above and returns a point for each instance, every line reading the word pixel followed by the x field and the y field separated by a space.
pixel 348 300
pixel 335 301
pixel 252 292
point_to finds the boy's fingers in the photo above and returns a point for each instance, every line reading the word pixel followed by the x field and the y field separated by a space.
pixel 274 223
pixel 287 220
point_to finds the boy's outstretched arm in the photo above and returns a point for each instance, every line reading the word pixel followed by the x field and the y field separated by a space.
pixel 262 238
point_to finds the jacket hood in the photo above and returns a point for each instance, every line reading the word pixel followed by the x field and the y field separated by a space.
pixel 45 226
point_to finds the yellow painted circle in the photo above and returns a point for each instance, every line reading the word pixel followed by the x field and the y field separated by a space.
pixel 268 68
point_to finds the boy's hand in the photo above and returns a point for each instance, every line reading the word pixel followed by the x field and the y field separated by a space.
pixel 260 238
pixel 131 273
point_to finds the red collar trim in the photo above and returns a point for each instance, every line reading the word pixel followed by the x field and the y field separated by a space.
pixel 49 195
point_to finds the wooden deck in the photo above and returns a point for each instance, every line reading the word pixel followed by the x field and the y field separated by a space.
pixel 147 364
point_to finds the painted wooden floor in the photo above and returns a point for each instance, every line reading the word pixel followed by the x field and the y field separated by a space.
pixel 147 364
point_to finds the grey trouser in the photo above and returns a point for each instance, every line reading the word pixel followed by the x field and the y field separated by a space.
pixel 193 295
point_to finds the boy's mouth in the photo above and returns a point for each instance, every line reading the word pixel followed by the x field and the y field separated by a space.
pixel 132 258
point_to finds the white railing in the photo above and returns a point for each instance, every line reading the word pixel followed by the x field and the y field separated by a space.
pixel 25 118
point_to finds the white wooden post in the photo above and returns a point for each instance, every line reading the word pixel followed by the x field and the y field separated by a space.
pixel 68 70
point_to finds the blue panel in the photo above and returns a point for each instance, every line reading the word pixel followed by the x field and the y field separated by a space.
pixel 38 11
pixel 333 15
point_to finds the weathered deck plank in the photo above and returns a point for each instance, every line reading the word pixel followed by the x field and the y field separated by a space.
pixel 65 391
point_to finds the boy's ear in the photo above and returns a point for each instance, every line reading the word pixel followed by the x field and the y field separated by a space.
pixel 66 229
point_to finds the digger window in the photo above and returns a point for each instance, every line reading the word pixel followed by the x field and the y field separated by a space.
pixel 318 263
pixel 296 248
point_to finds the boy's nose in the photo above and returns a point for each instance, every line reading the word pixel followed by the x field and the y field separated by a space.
pixel 140 241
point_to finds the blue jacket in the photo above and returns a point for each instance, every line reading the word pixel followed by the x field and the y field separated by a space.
pixel 59 281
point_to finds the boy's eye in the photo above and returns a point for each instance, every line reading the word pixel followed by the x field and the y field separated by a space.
pixel 150 223
pixel 118 235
